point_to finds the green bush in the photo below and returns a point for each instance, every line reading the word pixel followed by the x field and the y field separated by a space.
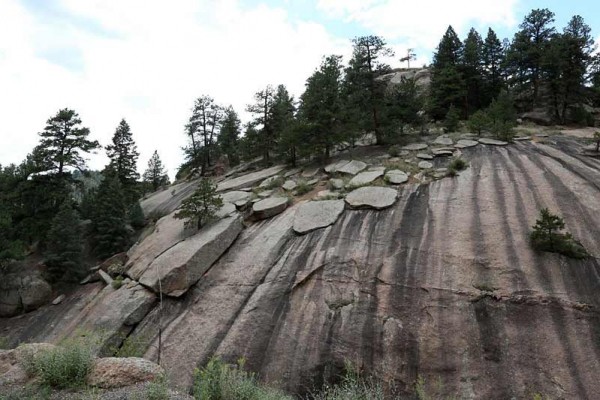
pixel 157 390
pixel 353 386
pixel 547 236
pixel 458 164
pixel 63 366
pixel 117 282
pixel 219 381
pixel 394 151
pixel 303 188
pixel 133 346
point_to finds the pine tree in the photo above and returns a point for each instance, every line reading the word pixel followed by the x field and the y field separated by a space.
pixel 284 124
pixel 404 106
pixel 155 175
pixel 447 81
pixel 321 107
pixel 123 156
pixel 452 119
pixel 364 92
pixel 62 142
pixel 263 121
pixel 65 246
pixel 502 116
pixel 228 139
pixel 479 121
pixel 203 130
pixel 493 59
pixel 201 206
pixel 111 234
pixel 472 70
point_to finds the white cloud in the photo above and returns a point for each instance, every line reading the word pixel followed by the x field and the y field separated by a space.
pixel 420 23
pixel 157 59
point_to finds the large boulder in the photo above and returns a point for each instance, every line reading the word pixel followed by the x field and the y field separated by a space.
pixel 372 197
pixel 269 207
pixel 317 214
pixel 112 372
pixel 182 265
pixel 364 178
pixel 23 291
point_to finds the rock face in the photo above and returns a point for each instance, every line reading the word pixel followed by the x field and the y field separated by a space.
pixel 317 214
pixel 442 285
pixel 374 197
pixel 352 168
pixel 183 264
pixel 333 167
pixel 112 372
pixel 364 178
pixel 270 207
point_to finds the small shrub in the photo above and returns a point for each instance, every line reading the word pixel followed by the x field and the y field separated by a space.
pixel 117 282
pixel 274 183
pixel 458 164
pixel 4 343
pixel 132 346
pixel 353 386
pixel 201 206
pixel 63 366
pixel 157 390
pixel 547 236
pixel 303 188
pixel 394 151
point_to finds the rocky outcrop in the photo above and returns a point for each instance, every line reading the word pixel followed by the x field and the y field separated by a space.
pixel 364 178
pixel 112 372
pixel 465 143
pixel 352 168
pixel 249 179
pixel 374 197
pixel 317 214
pixel 22 291
pixel 182 265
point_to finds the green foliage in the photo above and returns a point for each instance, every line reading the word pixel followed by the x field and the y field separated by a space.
pixel 202 205
pixel 136 216
pixel 228 139
pixel 479 121
pixel 503 117
pixel 447 81
pixel 110 232
pixel 581 116
pixel 404 106
pixel 597 140
pixel 493 57
pixel 219 381
pixel 547 236
pixel 394 151
pixel 117 282
pixel 64 366
pixel 263 139
pixel 158 389
pixel 202 130
pixel 458 164
pixel 353 386
pixel 132 346
pixel 65 246
pixel 303 188
pixel 123 156
pixel 155 175
pixel 452 120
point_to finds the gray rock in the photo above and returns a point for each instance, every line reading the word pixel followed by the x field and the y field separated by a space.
pixel 337 183
pixel 378 168
pixel 317 214
pixel 415 147
pixel 326 195
pixel 425 165
pixel 117 372
pixel 292 172
pixel 364 178
pixel 403 153
pixel 58 300
pixel 353 167
pixel 522 138
pixel 333 167
pixel 542 135
pixel 105 277
pixel 249 179
pixel 443 140
pixel 424 156
pixel 396 177
pixel 265 193
pixel 442 152
pixel 235 196
pixel 464 143
pixel 269 207
pixel 312 182
pixel 492 142
pixel 183 265
pixel 289 185
pixel 310 172
pixel 372 197
pixel 268 181
pixel 226 210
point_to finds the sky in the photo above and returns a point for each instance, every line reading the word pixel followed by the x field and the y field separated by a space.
pixel 147 60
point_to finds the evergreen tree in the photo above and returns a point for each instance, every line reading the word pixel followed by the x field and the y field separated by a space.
pixel 493 59
pixel 404 105
pixel 229 136
pixel 447 82
pixel 472 71
pixel 110 231
pixel 65 245
pixel 452 119
pixel 263 121
pixel 62 143
pixel 203 130
pixel 479 121
pixel 321 107
pixel 155 175
pixel 502 116
pixel 284 124
pixel 123 156
pixel 364 93
pixel 201 206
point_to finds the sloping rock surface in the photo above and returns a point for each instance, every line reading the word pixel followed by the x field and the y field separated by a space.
pixel 249 179
pixel 317 214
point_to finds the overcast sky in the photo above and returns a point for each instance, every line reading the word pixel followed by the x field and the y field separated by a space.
pixel 146 60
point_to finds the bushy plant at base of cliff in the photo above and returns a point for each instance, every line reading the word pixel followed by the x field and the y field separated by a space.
pixel 220 381
pixel 201 206
pixel 65 246
pixel 353 386
pixel 64 366
pixel 547 236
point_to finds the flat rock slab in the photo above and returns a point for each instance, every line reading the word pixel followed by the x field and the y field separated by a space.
pixel 236 196
pixel 396 177
pixel 265 193
pixel 270 207
pixel 442 152
pixel 182 265
pixel 492 142
pixel 415 147
pixel 249 179
pixel 522 138
pixel 464 143
pixel 316 215
pixel 425 165
pixel 226 210
pixel 379 168
pixel 310 172
pixel 337 183
pixel 327 195
pixel 375 197
pixel 425 156
pixel 333 167
pixel 443 140
pixel 364 178
pixel 289 185
pixel 292 172
pixel 353 167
